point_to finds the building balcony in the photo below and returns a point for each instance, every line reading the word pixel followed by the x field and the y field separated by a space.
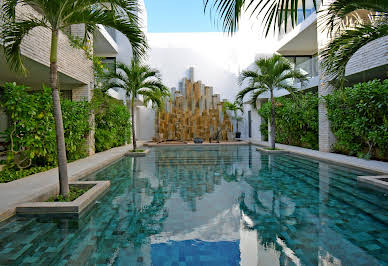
pixel 74 69
pixel 105 44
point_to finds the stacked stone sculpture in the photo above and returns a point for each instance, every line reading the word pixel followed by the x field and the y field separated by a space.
pixel 192 112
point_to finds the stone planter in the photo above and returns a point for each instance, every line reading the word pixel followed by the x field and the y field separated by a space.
pixel 73 208
pixel 137 154
pixel 263 149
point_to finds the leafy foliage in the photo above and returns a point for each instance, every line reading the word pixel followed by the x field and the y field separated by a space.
pixel 359 119
pixel 73 194
pixel 112 120
pixel 296 120
pixel 59 15
pixel 276 13
pixel 32 132
pixel 137 80
pixel 11 174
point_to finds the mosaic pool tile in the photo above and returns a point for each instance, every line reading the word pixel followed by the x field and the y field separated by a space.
pixel 213 206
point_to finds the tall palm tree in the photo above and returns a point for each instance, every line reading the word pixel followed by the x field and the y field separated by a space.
pixel 137 80
pixel 348 38
pixel 235 107
pixel 59 15
pixel 269 74
pixel 277 13
pixel 156 101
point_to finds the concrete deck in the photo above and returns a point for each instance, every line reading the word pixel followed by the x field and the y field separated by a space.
pixel 370 165
pixel 41 186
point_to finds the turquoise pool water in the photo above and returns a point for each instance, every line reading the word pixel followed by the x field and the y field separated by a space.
pixel 225 205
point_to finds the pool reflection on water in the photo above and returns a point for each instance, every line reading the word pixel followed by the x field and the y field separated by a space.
pixel 224 205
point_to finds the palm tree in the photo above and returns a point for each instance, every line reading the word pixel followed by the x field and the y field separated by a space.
pixel 349 39
pixel 156 100
pixel 277 13
pixel 235 107
pixel 136 80
pixel 59 15
pixel 269 74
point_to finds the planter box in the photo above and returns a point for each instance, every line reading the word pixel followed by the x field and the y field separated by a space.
pixel 73 208
pixel 270 151
pixel 137 154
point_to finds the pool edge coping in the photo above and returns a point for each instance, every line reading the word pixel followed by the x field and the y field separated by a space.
pixel 378 171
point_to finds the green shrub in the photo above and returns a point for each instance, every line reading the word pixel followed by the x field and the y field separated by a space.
pixel 11 174
pixel 359 119
pixel 31 133
pixel 264 129
pixel 296 120
pixel 112 118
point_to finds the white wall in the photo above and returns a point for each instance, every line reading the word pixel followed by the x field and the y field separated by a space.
pixel 217 58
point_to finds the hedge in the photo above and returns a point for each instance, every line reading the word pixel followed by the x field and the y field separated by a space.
pixel 31 132
pixel 113 127
pixel 359 119
pixel 296 120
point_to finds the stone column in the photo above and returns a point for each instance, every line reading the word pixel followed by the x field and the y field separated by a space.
pixel 326 136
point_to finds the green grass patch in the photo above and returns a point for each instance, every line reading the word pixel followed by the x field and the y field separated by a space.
pixel 270 149
pixel 74 193
pixel 9 175
pixel 137 150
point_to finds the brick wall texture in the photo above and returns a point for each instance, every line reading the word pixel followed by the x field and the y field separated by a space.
pixel 71 61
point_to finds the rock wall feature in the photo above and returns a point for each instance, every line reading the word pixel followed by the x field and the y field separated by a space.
pixel 193 112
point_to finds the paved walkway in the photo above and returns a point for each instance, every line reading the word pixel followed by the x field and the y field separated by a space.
pixel 42 185
pixel 372 165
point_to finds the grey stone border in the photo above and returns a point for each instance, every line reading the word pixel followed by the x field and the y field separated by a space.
pixel 271 151
pixel 75 207
pixel 137 154
pixel 375 181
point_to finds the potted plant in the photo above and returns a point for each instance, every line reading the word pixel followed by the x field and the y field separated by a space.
pixel 235 107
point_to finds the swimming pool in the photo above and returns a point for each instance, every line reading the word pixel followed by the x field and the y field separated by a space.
pixel 213 205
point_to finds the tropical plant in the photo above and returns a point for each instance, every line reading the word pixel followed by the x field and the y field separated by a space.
pixel 350 32
pixel 362 129
pixel 296 119
pixel 269 74
pixel 156 101
pixel 277 13
pixel 234 107
pixel 137 80
pixel 59 15
pixel 112 121
pixel 31 131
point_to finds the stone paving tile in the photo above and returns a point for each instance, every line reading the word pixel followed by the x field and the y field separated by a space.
pixel 42 185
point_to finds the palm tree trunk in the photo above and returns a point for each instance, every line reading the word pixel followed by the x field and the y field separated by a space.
pixel 273 125
pixel 157 119
pixel 133 124
pixel 60 135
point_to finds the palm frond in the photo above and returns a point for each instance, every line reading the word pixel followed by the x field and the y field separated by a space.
pixel 276 13
pixel 339 51
pixel 339 10
pixel 12 34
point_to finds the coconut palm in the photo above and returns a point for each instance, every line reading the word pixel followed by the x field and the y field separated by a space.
pixel 156 101
pixel 269 74
pixel 234 107
pixel 350 32
pixel 59 15
pixel 137 80
pixel 276 12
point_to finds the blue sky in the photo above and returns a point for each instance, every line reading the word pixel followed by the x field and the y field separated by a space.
pixel 178 16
